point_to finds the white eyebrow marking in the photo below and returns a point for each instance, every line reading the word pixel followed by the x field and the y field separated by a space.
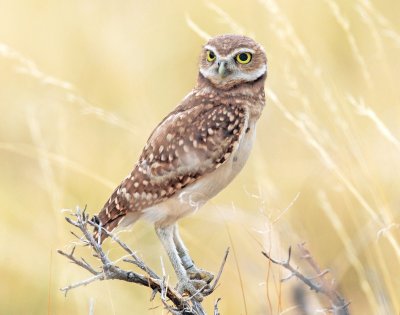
pixel 241 50
pixel 212 48
pixel 234 53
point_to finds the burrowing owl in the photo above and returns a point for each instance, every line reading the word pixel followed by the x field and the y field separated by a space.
pixel 195 151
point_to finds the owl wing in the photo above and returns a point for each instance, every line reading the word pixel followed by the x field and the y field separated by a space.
pixel 190 142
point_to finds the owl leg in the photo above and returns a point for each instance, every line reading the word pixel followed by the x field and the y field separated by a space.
pixel 191 286
pixel 192 271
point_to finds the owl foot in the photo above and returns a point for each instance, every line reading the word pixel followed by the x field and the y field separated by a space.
pixel 195 273
pixel 192 287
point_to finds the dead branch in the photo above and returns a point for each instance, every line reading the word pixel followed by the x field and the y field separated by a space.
pixel 318 282
pixel 171 299
pixel 216 312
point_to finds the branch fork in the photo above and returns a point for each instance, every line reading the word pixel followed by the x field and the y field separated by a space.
pixel 317 283
pixel 171 299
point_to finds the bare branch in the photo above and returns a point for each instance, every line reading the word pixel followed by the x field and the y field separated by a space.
pixel 214 285
pixel 136 260
pixel 171 299
pixel 82 283
pixel 216 312
pixel 286 264
pixel 339 304
pixel 317 283
pixel 82 263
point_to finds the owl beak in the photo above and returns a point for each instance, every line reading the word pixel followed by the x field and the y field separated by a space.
pixel 222 69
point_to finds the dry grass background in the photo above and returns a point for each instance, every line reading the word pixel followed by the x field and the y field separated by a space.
pixel 83 83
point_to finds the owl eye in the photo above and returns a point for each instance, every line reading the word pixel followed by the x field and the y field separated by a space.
pixel 243 58
pixel 210 56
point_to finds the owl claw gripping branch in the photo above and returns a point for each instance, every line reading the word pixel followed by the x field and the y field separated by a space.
pixel 195 151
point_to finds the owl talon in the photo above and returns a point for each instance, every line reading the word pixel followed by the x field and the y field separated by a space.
pixel 195 273
pixel 192 287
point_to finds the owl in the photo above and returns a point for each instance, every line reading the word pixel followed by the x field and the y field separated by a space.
pixel 195 151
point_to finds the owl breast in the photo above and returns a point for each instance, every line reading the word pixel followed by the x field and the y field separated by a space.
pixel 213 183
pixel 192 197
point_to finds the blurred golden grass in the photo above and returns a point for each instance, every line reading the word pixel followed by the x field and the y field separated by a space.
pixel 84 83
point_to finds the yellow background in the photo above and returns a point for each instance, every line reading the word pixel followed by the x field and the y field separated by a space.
pixel 82 85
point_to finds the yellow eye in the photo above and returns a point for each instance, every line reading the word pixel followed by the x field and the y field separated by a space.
pixel 243 58
pixel 210 56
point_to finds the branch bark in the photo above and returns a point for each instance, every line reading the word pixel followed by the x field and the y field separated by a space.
pixel 317 283
pixel 171 299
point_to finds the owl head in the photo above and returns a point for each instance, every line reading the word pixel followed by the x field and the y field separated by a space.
pixel 229 60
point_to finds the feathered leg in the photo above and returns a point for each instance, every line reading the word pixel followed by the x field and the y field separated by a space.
pixel 192 271
pixel 191 286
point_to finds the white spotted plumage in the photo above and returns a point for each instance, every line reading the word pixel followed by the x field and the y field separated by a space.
pixel 193 141
pixel 196 150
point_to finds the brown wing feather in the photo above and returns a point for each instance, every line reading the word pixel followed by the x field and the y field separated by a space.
pixel 190 142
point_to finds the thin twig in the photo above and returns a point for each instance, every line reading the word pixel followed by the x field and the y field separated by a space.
pixel 137 261
pixel 171 299
pixel 82 283
pixel 214 285
pixel 216 312
pixel 294 273
pixel 339 305
pixel 80 263
pixel 317 283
